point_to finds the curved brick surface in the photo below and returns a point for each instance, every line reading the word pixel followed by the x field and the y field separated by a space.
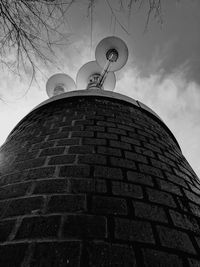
pixel 95 182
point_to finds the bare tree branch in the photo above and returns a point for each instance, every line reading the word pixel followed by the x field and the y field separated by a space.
pixel 29 28
pixel 32 28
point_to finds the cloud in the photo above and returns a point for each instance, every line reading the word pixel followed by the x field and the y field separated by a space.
pixel 175 99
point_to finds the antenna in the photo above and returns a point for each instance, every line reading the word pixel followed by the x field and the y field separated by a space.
pixel 59 83
pixel 90 76
pixel 111 53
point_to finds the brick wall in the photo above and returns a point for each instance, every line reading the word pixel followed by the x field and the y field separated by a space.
pixel 93 182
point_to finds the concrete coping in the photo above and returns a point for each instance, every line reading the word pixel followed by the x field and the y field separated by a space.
pixel 99 93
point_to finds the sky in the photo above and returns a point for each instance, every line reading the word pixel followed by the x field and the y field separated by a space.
pixel 162 70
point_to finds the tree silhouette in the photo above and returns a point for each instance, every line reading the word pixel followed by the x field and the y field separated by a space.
pixel 28 28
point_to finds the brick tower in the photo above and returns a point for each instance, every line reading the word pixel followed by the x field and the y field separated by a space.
pixel 94 178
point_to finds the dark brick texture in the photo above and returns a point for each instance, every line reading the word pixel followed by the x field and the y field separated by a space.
pixel 96 182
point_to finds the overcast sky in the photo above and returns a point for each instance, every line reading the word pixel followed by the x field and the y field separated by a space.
pixel 162 70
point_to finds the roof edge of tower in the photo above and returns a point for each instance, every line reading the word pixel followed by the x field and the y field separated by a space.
pixel 104 94
pixel 98 92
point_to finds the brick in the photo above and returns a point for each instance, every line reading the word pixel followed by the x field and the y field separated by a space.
pixel 150 170
pixel 130 140
pixel 157 258
pixel 123 163
pixel 12 178
pixel 95 128
pixel 40 173
pixel 116 131
pixel 170 156
pixel 24 206
pixel 109 151
pixel 137 136
pixel 5 229
pixel 152 147
pixel 82 134
pixel 47 131
pixel 124 121
pixel 28 164
pixel 52 151
pixel 38 139
pixel 183 203
pixel 148 133
pixel 127 190
pixel 169 187
pixel 162 145
pixel 149 212
pixel 92 159
pixel 195 189
pixel 185 166
pixel 176 152
pixel 193 197
pixel 140 178
pixel 138 231
pixel 175 179
pixel 38 227
pixel 135 157
pixel 71 117
pixel 14 253
pixel 51 186
pixel 105 123
pixel 196 183
pixel 85 226
pixel 174 239
pixel 107 136
pixel 182 175
pixel 186 170
pixel 65 159
pixel 68 142
pixel 80 149
pixel 58 136
pixel 126 127
pixel 104 112
pixel 108 172
pixel 185 221
pixel 16 190
pixel 122 145
pixel 87 186
pixel 104 254
pixel 166 143
pixel 84 122
pixel 72 128
pixel 94 117
pixel 74 171
pixel 94 141
pixel 57 253
pixel 109 205
pixel 140 122
pixel 166 160
pixel 66 203
pixel 138 126
pixel 43 145
pixel 161 165
pixel 27 155
pixel 160 197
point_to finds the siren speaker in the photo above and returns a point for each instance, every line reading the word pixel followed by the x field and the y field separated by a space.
pixel 112 49
pixel 90 72
pixel 59 83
